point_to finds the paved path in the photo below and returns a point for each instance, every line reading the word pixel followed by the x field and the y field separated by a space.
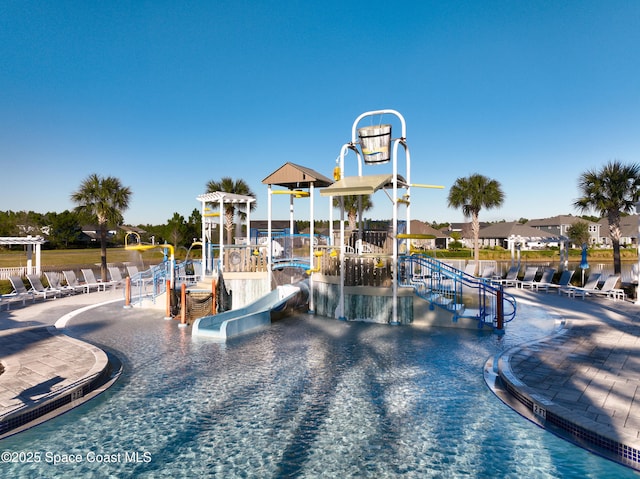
pixel 584 381
pixel 41 364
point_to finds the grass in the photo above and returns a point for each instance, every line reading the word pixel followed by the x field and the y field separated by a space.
pixel 74 259
pixel 71 257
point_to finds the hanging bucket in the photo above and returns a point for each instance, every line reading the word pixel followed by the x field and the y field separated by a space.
pixel 375 141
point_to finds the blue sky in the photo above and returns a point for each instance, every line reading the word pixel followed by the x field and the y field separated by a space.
pixel 166 95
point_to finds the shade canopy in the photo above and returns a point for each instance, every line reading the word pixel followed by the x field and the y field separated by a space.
pixel 361 185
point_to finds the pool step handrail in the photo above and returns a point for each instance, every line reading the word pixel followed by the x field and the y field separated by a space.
pixel 449 288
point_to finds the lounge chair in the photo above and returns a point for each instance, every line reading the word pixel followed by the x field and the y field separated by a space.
pixel 487 273
pixel 589 286
pixel 72 282
pixel 565 278
pixel 528 278
pixel 511 278
pixel 20 289
pixel 116 276
pixel 609 289
pixel 91 282
pixel 54 282
pixel 545 281
pixel 19 293
pixel 38 288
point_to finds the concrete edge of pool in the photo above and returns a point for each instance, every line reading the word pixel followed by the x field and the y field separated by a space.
pixel 47 373
pixel 536 379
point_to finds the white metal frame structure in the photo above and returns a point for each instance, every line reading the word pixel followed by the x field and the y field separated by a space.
pixel 360 185
pixel 220 199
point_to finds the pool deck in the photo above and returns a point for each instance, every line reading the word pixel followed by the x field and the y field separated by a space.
pixel 41 364
pixel 581 382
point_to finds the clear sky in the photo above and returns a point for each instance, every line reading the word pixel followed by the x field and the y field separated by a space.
pixel 166 95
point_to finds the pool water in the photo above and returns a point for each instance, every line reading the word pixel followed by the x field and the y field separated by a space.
pixel 306 397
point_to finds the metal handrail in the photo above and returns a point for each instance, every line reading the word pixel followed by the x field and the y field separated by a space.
pixel 464 295
pixel 150 283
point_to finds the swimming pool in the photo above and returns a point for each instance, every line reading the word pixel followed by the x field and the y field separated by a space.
pixel 306 397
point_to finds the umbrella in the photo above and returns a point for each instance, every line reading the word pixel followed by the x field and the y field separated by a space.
pixel 584 264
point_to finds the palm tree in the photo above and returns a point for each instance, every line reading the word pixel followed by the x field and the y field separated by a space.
pixel 472 194
pixel 611 191
pixel 238 187
pixel 102 199
pixel 351 206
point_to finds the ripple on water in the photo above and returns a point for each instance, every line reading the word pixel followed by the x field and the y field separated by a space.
pixel 306 397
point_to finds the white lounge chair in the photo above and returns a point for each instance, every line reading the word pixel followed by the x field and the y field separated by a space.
pixel 528 278
pixel 54 282
pixel 19 293
pixel 589 286
pixel 116 276
pixel 91 282
pixel 565 278
pixel 511 278
pixel 138 278
pixel 545 281
pixel 72 281
pixel 38 288
pixel 20 289
pixel 609 288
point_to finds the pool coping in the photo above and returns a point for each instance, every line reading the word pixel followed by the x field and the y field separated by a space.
pixel 532 403
pixel 25 413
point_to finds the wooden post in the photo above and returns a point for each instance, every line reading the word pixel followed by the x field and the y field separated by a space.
pixel 168 302
pixel 213 296
pixel 183 305
pixel 127 292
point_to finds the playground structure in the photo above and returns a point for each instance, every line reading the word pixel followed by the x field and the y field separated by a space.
pixel 364 275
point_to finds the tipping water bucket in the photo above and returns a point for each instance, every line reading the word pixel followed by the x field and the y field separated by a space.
pixel 375 141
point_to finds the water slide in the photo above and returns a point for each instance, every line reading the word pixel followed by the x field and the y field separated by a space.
pixel 254 315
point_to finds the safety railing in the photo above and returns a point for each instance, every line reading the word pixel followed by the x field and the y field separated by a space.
pixel 464 295
pixel 149 284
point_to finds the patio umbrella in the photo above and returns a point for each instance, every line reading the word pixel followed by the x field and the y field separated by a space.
pixel 584 264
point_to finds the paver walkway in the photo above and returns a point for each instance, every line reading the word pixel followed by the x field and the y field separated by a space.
pixel 41 364
pixel 583 382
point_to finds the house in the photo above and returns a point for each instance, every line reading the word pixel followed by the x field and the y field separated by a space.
pixel 628 231
pixel 559 225
pixel 91 234
pixel 439 240
pixel 507 233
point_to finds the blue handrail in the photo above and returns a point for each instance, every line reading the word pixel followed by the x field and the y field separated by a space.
pixel 464 295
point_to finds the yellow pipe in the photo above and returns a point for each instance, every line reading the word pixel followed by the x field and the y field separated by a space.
pixel 295 193
pixel 414 236
pixel 418 185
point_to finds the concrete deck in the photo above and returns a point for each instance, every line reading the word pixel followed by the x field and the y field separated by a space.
pixel 583 382
pixel 45 370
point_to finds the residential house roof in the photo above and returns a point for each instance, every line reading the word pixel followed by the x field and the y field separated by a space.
pixel 508 229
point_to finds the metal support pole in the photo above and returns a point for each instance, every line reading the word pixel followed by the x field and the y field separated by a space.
pixel 499 310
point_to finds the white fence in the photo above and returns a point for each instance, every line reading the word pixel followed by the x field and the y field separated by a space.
pixel 17 271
